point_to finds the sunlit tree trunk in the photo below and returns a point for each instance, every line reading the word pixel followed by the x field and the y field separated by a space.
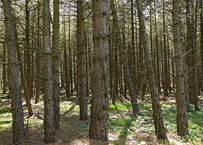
pixel 181 118
pixel 49 131
pixel 99 108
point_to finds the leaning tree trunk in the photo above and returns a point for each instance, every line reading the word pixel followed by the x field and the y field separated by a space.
pixel 124 61
pixel 181 119
pixel 158 121
pixel 14 79
pixel 81 61
pixel 99 109
pixel 55 61
pixel 49 132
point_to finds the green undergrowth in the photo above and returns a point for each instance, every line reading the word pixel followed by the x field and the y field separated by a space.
pixel 120 117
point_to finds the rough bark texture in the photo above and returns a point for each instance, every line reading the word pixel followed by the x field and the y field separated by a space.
pixel 124 61
pixel 14 79
pixel 81 61
pixel 181 119
pixel 55 63
pixel 99 109
pixel 158 121
pixel 49 132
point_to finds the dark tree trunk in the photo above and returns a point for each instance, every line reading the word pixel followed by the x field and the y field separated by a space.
pixel 81 61
pixel 55 64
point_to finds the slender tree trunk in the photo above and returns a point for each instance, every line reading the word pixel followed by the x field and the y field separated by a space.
pixel 28 78
pixel 65 62
pixel 55 64
pixel 124 61
pixel 49 131
pixel 14 80
pixel 4 70
pixel 157 53
pixel 165 54
pixel 38 75
pixel 23 81
pixel 99 109
pixel 158 121
pixel 190 48
pixel 81 61
pixel 181 119
pixel 195 58
pixel 133 46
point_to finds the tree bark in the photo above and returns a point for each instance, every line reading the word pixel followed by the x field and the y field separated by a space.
pixel 49 132
pixel 99 109
pixel 14 79
pixel 190 61
pixel 81 61
pixel 158 121
pixel 181 119
pixel 55 64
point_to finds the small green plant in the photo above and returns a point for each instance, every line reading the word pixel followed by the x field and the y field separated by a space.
pixel 125 132
pixel 85 127
pixel 72 134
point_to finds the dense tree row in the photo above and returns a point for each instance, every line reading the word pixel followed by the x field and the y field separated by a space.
pixel 104 50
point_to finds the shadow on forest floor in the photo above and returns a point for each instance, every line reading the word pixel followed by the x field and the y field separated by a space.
pixel 124 127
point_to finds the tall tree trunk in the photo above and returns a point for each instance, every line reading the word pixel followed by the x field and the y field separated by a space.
pixel 165 58
pixel 195 58
pixel 65 62
pixel 124 61
pixel 49 131
pixel 190 48
pixel 81 61
pixel 201 44
pixel 99 109
pixel 38 75
pixel 133 46
pixel 14 80
pixel 158 121
pixel 157 53
pixel 28 78
pixel 181 119
pixel 55 64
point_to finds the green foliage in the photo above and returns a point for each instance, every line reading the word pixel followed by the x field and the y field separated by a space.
pixel 117 143
pixel 85 127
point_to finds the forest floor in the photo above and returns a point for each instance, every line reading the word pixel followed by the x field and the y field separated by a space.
pixel 124 127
